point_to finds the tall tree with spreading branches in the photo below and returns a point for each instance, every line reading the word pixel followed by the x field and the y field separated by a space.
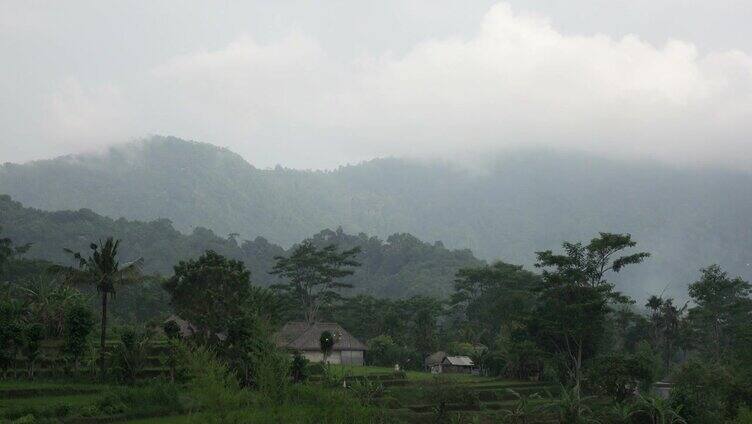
pixel 575 298
pixel 313 275
pixel 102 270
pixel 722 312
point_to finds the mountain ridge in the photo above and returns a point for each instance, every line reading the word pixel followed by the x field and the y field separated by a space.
pixel 521 203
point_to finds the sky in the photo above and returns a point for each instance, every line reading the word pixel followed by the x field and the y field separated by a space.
pixel 320 84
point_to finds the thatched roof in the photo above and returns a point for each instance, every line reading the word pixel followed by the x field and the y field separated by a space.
pixel 302 336
pixel 435 358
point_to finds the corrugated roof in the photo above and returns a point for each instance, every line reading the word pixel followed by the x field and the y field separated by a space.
pixel 303 336
pixel 462 361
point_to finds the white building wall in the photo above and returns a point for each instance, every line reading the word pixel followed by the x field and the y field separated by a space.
pixel 349 357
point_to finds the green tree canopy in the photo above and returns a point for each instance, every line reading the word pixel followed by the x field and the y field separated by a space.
pixel 569 320
pixel 210 290
pixel 495 296
pixel 723 311
pixel 314 276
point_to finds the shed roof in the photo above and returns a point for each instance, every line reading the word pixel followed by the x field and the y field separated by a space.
pixel 302 336
pixel 186 328
pixel 460 361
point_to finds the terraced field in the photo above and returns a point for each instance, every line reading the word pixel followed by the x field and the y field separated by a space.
pixel 412 397
pixel 417 397
pixel 67 402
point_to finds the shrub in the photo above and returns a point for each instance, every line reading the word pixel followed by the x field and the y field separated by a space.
pixel 11 334
pixel 442 392
pixel 248 341
pixel 299 368
pixel 366 390
pixel 743 416
pixel 157 396
pixel 273 375
pixel 523 411
pixel 316 369
pixel 171 330
pixel 213 387
pixel 129 358
pixel 171 357
pixel 33 335
pixel 383 351
pixel 572 407
pixel 657 410
pixel 619 375
pixel 79 321
pixel 699 392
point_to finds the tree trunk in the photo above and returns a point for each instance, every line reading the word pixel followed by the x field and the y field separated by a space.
pixel 103 337
pixel 578 369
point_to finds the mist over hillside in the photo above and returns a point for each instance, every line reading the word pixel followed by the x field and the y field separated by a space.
pixel 399 267
pixel 519 203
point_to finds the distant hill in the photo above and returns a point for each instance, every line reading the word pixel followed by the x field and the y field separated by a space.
pixel 512 206
pixel 401 266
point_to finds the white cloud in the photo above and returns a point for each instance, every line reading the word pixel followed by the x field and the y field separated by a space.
pixel 88 117
pixel 517 81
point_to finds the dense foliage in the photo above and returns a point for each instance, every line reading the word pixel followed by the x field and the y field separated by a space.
pixel 312 276
pixel 567 328
pixel 401 266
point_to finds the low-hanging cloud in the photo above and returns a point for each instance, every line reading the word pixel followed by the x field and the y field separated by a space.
pixel 517 82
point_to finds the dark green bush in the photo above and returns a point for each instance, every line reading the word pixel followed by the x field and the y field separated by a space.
pixel 171 329
pixel 150 397
pixel 130 356
pixel 79 321
pixel 299 368
pixel 619 375
pixel 315 369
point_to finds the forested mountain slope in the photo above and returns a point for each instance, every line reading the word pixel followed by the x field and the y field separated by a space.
pixel 508 208
pixel 401 266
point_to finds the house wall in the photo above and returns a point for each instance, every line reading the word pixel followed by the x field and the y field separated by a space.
pixel 318 357
pixel 349 357
pixel 454 369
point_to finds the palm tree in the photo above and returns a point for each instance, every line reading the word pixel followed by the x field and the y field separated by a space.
pixel 102 270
